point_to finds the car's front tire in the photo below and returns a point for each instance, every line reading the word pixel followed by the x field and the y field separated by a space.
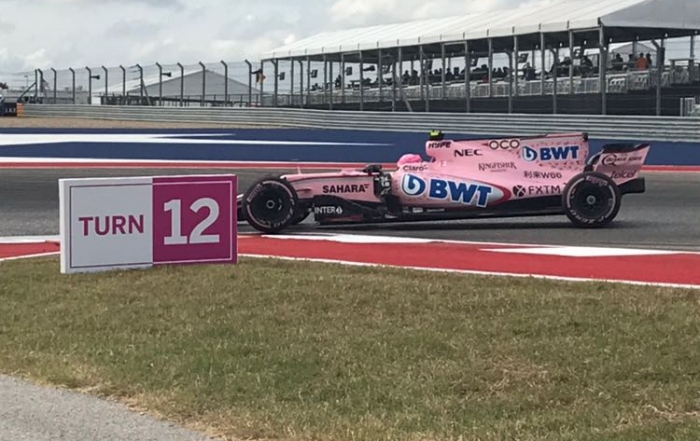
pixel 591 200
pixel 270 205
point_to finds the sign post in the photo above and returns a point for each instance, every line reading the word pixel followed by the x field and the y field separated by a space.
pixel 131 223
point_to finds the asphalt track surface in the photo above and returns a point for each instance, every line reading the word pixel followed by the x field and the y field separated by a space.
pixel 666 217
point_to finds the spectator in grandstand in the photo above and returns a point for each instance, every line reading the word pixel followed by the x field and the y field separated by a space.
pixel 642 63
pixel 406 78
pixel 649 62
pixel 618 63
pixel 529 72
pixel 586 66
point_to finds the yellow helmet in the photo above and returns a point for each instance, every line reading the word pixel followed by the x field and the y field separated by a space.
pixel 436 134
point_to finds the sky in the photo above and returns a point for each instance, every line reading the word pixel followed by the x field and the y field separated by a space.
pixel 43 34
pixel 63 33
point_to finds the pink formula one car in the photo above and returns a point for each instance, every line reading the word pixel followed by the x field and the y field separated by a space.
pixel 528 176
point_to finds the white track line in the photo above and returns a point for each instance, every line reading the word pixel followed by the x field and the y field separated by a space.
pixel 31 256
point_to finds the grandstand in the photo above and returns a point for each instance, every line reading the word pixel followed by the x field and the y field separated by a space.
pixel 550 57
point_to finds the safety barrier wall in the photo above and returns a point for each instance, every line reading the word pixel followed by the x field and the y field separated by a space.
pixel 670 129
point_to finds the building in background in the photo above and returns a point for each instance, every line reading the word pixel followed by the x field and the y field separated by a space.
pixel 196 88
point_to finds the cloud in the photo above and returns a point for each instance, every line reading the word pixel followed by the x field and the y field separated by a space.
pixel 6 27
pixel 168 4
pixel 374 12
pixel 134 28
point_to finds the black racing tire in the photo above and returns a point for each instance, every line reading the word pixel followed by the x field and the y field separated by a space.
pixel 270 205
pixel 591 200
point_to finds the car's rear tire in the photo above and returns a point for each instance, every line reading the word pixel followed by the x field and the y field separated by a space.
pixel 270 205
pixel 591 200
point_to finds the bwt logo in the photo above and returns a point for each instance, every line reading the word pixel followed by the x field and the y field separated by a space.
pixel 441 189
pixel 551 153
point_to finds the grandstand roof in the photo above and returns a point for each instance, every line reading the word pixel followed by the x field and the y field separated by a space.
pixel 625 19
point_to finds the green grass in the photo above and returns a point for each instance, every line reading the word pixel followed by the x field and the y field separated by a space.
pixel 296 351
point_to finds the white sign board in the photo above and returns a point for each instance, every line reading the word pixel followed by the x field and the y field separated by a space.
pixel 129 223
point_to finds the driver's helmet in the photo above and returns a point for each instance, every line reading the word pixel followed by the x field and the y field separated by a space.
pixel 436 135
pixel 410 158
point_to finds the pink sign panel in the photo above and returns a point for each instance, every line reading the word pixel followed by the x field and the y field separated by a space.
pixel 194 220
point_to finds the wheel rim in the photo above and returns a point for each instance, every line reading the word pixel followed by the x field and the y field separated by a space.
pixel 269 205
pixel 592 202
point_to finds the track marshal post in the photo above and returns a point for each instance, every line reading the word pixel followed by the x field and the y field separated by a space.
pixel 135 223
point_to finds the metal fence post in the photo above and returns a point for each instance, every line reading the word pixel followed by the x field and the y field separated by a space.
pixel 362 82
pixel 555 83
pixel 543 60
pixel 262 83
pixel 603 64
pixel 380 75
pixel 141 85
pixel 660 62
pixel 400 78
pixel 515 70
pixel 250 83
pixel 394 77
pixel 444 66
pixel 308 80
pixel 331 82
pixel 89 84
pixel 490 41
pixel 511 54
pixel 41 84
pixel 301 83
pixel 160 84
pixel 123 83
pixel 467 76
pixel 342 78
pixel 182 84
pixel 106 83
pixel 225 83
pixel 325 79
pixel 73 81
pixel 204 82
pixel 425 80
pixel 275 97
pixel 291 82
pixel 55 82
pixel 571 63
pixel 421 79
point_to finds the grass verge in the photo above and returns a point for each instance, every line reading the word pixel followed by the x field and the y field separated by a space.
pixel 290 350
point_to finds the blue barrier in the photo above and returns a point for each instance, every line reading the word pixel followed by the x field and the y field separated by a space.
pixel 385 147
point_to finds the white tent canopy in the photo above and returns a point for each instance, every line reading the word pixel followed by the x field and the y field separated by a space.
pixel 549 16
